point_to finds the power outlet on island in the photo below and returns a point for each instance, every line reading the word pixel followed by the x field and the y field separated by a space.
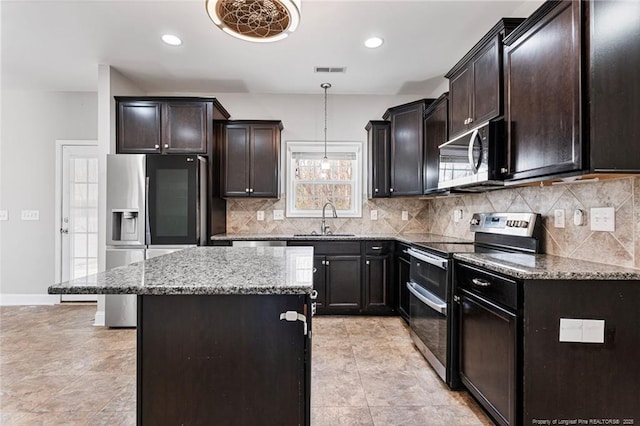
pixel 374 214
pixel 405 215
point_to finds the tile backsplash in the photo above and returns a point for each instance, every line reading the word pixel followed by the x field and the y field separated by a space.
pixel 621 247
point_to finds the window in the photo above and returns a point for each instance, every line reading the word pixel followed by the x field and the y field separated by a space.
pixel 309 187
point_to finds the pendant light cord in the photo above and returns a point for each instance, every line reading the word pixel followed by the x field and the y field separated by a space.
pixel 325 86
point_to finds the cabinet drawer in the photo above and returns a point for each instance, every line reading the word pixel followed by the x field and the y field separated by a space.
pixel 494 287
pixel 378 247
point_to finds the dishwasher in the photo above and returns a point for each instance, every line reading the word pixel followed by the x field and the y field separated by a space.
pixel 489 321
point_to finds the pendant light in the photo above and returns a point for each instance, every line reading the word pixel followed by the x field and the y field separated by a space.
pixel 324 164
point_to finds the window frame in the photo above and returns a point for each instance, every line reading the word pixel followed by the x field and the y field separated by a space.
pixel 352 147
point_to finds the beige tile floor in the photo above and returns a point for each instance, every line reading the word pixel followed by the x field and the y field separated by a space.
pixel 57 369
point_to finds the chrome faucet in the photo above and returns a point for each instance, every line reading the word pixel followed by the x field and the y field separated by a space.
pixel 324 228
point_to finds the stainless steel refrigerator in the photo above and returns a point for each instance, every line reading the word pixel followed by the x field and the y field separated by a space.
pixel 156 204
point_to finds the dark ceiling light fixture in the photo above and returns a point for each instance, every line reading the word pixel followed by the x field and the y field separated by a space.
pixel 255 20
pixel 325 164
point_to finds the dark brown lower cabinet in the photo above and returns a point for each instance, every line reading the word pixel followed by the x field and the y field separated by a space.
pixel 402 277
pixel 222 360
pixel 343 282
pixel 377 277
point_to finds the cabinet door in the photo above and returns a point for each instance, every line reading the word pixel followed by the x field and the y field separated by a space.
pixel 139 125
pixel 376 280
pixel 488 356
pixel 343 282
pixel 407 140
pixel 236 161
pixel 544 96
pixel 222 360
pixel 459 102
pixel 403 292
pixel 319 282
pixel 186 127
pixel 435 135
pixel 486 84
pixel 379 161
pixel 265 161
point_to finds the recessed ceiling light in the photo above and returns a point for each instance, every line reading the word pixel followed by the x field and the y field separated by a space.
pixel 373 42
pixel 172 40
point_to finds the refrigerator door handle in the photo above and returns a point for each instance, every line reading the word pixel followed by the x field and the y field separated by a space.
pixel 146 212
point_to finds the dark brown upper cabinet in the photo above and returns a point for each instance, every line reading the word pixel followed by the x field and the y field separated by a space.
pixel 251 159
pixel 572 91
pixel 475 82
pixel 435 134
pixel 407 147
pixel 165 125
pixel 379 158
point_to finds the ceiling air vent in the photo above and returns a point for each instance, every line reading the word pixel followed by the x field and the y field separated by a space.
pixel 331 69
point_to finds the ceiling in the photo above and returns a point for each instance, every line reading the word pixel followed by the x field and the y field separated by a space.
pixel 57 45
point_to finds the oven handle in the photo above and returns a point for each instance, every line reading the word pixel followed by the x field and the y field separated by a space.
pixel 427 298
pixel 435 261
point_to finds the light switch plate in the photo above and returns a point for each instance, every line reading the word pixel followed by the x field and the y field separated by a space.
pixel 405 215
pixel 4 215
pixel 374 214
pixel 603 219
pixel 260 215
pixel 30 215
pixel 558 218
pixel 278 215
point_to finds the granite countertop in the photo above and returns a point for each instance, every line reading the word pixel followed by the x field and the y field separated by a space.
pixel 547 267
pixel 404 238
pixel 205 270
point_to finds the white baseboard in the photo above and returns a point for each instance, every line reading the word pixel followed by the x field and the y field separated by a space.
pixel 99 319
pixel 28 299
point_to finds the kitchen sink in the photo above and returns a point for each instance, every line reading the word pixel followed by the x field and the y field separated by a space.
pixel 324 236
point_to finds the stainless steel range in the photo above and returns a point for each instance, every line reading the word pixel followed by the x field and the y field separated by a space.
pixel 431 320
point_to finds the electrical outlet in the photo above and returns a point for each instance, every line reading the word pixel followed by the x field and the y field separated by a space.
pixel 558 218
pixel 374 214
pixel 260 215
pixel 405 215
pixel 278 215
pixel 603 219
pixel 4 215
pixel 578 217
pixel 457 215
pixel 30 215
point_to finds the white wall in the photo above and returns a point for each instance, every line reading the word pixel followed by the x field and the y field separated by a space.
pixel 31 123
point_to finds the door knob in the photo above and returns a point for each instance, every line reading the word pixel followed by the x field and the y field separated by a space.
pixel 64 231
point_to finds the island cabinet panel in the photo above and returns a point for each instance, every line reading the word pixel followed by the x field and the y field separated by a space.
pixel 222 360
pixel 544 94
pixel 582 380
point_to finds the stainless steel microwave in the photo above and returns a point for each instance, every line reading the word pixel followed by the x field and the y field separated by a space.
pixel 474 160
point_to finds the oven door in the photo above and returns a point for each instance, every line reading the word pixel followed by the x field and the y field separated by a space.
pixel 430 272
pixel 428 323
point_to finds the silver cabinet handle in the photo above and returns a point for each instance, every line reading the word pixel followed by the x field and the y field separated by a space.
pixel 376 248
pixel 250 189
pixel 166 145
pixel 480 282
pixel 315 269
pixel 405 251
pixel 314 294
pixel 246 190
pixel 368 262
pixel 503 170
pixel 157 146
pixel 390 189
pixel 470 120
pixel 326 262
pixel 376 190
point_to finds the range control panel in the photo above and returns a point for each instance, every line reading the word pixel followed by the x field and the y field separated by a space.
pixel 519 224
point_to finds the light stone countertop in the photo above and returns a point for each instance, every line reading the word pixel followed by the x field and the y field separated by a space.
pixel 205 271
pixel 547 267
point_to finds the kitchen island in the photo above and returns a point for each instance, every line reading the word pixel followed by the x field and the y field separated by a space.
pixel 223 334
